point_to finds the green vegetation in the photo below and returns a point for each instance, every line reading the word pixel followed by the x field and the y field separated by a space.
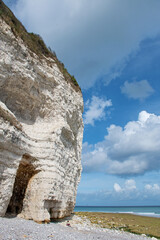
pixel 126 222
pixel 34 42
pixel 67 76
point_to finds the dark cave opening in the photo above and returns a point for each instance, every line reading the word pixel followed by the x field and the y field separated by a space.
pixel 25 172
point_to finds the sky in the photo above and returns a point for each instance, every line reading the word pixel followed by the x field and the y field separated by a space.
pixel 112 47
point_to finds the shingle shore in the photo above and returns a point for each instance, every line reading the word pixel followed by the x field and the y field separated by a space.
pixel 19 229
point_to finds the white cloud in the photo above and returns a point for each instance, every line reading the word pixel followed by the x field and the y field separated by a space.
pixel 137 90
pixel 133 150
pixel 129 186
pixel 121 194
pixel 148 187
pixel 95 110
pixel 117 187
pixel 92 37
pixel 126 193
pixel 153 189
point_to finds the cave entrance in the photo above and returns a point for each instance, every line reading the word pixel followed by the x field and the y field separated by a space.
pixel 24 174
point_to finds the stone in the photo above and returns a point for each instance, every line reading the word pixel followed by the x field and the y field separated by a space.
pixel 41 131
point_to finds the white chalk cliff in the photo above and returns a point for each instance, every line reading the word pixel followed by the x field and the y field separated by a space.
pixel 41 131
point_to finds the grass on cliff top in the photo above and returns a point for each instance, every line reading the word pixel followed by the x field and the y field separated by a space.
pixel 34 42
pixel 126 222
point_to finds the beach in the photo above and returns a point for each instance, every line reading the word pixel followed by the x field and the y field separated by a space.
pixel 150 226
pixel 150 211
pixel 79 226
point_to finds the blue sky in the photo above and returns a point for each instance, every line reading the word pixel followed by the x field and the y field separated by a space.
pixel 112 47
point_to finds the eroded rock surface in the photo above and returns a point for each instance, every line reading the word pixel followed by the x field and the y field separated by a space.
pixel 41 132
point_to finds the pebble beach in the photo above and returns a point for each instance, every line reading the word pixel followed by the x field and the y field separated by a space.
pixel 74 228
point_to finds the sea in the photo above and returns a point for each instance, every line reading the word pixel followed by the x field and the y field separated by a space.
pixel 150 211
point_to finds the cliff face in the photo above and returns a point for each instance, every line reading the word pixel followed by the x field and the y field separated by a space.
pixel 41 132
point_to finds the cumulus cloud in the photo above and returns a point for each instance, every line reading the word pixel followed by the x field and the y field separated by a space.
pixel 132 150
pixel 137 90
pixel 91 37
pixel 153 189
pixel 117 187
pixel 130 184
pixel 123 194
pixel 95 110
pixel 128 188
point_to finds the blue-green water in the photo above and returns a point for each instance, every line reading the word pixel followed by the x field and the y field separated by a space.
pixel 151 211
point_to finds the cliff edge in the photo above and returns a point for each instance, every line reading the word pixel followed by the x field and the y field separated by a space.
pixel 41 127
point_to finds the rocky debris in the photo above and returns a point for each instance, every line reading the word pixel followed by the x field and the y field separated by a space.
pixel 15 229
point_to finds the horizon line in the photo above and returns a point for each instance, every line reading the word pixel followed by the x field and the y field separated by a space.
pixel 121 206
